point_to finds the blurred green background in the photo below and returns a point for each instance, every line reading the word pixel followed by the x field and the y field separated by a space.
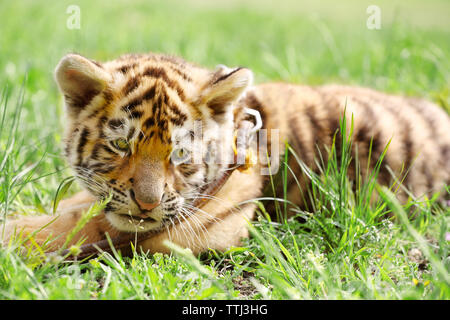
pixel 304 41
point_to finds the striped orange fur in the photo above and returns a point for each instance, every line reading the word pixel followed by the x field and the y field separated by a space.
pixel 126 116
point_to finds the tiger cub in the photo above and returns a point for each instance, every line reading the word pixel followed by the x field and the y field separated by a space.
pixel 131 121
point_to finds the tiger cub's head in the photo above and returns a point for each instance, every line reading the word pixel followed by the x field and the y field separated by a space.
pixel 131 127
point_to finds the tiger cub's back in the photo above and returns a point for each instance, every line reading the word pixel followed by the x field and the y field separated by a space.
pixel 416 130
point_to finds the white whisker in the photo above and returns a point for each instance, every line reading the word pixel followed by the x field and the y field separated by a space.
pixel 198 223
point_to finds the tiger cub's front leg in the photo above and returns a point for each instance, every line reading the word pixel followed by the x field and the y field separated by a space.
pixel 51 231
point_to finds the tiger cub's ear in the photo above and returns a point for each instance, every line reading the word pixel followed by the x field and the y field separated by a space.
pixel 225 87
pixel 80 80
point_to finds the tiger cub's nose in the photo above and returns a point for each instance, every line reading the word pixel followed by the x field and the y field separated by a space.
pixel 147 206
pixel 145 202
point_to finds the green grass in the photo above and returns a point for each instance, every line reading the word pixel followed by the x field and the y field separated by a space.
pixel 345 250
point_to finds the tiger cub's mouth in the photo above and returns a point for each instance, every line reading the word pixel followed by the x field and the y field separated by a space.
pixel 138 218
pixel 126 222
pixel 132 218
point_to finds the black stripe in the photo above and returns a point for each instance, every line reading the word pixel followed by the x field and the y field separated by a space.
pixel 98 64
pixel 120 192
pixel 428 176
pixel 408 145
pixel 178 121
pixel 181 74
pixel 425 113
pixel 96 166
pixel 141 136
pixel 160 73
pixel 124 69
pixel 81 144
pixel 105 170
pixel 109 207
pixel 188 169
pixel 163 125
pixel 93 114
pixel 161 136
pixel 79 101
pixel 445 153
pixel 131 105
pixel 81 172
pixel 108 149
pixel 157 108
pixel 131 84
pixel 316 126
pixel 253 102
pixel 299 145
pixel 100 124
pixel 406 142
pixel 69 142
pixel 108 95
pixel 205 175
pixel 175 62
pixel 67 150
pixel 150 122
pixel 135 115
pixel 131 133
pixel 227 75
pixel 149 93
pixel 366 135
pixel 181 116
pixel 95 151
pixel 173 107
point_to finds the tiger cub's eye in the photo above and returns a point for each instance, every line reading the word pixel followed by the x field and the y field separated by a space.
pixel 179 156
pixel 121 144
pixel 180 153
